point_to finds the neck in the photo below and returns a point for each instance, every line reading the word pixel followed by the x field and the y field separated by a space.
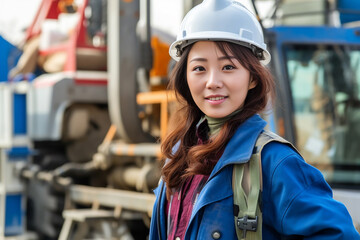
pixel 215 124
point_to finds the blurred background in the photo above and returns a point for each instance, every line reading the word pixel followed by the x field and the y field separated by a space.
pixel 84 106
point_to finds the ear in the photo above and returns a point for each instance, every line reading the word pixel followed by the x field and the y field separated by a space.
pixel 252 83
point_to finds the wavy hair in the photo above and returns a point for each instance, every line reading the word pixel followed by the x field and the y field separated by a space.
pixel 186 156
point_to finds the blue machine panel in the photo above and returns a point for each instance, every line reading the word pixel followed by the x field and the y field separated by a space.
pixel 9 56
pixel 14 214
pixel 349 10
pixel 19 114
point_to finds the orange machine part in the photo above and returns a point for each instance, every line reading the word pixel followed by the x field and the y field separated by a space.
pixel 161 58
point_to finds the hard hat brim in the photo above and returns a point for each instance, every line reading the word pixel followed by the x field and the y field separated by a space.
pixel 173 50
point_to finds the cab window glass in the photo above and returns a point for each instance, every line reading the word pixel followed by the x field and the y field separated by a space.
pixel 325 83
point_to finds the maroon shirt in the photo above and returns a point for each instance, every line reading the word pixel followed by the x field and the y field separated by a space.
pixel 179 208
pixel 181 205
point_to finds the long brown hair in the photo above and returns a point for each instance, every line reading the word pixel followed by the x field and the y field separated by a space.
pixel 185 156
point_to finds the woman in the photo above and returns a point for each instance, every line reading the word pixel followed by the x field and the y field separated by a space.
pixel 221 79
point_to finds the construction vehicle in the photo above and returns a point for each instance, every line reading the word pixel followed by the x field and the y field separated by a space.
pixel 80 137
pixel 75 146
pixel 315 60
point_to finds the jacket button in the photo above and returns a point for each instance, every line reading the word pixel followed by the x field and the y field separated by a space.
pixel 216 235
pixel 177 238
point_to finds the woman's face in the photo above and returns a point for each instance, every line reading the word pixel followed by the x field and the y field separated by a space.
pixel 218 86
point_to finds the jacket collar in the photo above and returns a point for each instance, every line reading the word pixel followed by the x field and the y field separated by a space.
pixel 240 146
pixel 238 150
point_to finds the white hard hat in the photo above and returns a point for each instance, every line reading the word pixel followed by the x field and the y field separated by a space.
pixel 221 20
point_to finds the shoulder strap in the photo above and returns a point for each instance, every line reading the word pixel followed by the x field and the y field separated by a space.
pixel 247 188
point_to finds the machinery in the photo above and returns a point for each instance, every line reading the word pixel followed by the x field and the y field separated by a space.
pixel 96 108
pixel 315 60
pixel 95 113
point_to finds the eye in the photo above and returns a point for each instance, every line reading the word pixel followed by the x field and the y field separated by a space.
pixel 228 67
pixel 198 69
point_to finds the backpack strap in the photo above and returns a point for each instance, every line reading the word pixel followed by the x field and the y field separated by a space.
pixel 247 188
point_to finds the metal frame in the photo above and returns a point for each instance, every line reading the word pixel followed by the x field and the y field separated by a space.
pixel 6 119
pixel 278 37
pixel 158 97
pixel 2 192
pixel 126 200
pixel 6 127
pixel 51 94
pixel 119 200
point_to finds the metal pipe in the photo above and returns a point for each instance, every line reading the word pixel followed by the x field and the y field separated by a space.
pixel 127 200
pixel 123 63
pixel 124 177
pixel 137 178
pixel 141 149
pixel 45 176
pixel 69 169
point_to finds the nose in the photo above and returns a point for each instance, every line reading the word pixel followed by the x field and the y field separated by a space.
pixel 214 80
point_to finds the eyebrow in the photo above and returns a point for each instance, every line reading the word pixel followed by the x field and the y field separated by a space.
pixel 220 58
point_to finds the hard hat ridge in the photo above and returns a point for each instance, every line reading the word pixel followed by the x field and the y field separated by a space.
pixel 216 5
pixel 221 20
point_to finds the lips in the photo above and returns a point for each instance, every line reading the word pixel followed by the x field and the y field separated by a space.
pixel 215 99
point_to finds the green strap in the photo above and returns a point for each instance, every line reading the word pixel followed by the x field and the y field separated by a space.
pixel 241 198
pixel 255 187
pixel 248 200
pixel 249 210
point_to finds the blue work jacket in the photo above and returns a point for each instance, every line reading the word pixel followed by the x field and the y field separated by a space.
pixel 297 202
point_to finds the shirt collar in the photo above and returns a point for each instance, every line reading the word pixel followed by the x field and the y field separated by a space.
pixel 240 146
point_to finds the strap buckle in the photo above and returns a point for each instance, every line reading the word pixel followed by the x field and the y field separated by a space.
pixel 247 224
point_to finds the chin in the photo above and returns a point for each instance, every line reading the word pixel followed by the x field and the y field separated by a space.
pixel 217 115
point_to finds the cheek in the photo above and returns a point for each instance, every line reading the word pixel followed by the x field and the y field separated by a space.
pixel 192 84
pixel 189 81
pixel 195 92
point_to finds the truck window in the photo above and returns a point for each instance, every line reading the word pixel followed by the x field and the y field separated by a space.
pixel 324 82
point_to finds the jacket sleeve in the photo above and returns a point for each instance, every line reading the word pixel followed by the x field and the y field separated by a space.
pixel 299 199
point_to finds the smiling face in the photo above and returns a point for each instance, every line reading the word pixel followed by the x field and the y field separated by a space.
pixel 218 83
